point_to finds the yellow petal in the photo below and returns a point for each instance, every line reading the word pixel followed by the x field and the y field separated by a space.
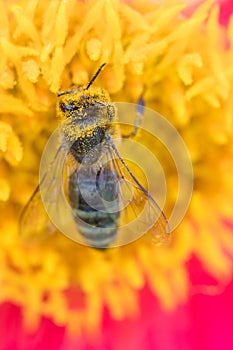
pixel 14 151
pixel 5 133
pixel 4 190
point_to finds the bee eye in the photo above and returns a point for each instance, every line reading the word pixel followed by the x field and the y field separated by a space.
pixel 85 97
pixel 64 107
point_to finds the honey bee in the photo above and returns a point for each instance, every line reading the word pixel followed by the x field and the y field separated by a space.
pixel 103 193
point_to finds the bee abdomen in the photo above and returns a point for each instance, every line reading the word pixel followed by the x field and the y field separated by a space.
pixel 98 227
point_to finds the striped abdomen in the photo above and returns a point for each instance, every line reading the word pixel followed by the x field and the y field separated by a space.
pixel 94 203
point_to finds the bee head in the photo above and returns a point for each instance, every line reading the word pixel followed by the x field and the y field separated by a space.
pixel 81 98
pixel 75 101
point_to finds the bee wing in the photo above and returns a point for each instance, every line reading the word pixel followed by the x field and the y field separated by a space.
pixel 138 205
pixel 35 224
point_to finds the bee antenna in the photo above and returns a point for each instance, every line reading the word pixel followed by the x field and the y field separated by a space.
pixel 65 92
pixel 95 76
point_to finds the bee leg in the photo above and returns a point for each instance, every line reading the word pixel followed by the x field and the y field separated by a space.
pixel 138 120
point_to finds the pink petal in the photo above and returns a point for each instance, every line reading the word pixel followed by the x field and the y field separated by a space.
pixel 204 323
pixel 226 10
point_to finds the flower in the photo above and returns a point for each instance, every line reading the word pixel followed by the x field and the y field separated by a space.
pixel 181 66
pixel 203 323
